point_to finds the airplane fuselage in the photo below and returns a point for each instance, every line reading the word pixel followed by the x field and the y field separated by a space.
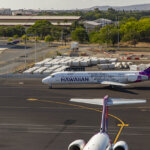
pixel 94 77
pixel 100 141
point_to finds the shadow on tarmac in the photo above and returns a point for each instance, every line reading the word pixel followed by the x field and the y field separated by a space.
pixel 66 124
pixel 121 89
pixel 140 88
pixel 117 89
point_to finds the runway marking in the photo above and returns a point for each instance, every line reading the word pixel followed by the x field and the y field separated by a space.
pixel 32 99
pixel 122 125
pixel 126 125
pixel 21 83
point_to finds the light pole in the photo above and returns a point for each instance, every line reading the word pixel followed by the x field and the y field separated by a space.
pixel 25 52
pixel 35 48
pixel 118 35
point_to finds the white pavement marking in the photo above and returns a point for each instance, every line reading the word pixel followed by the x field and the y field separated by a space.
pixel 2 50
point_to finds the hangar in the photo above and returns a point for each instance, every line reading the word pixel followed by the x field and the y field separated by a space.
pixel 30 20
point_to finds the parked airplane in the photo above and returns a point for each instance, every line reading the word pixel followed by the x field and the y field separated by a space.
pixel 101 140
pixel 113 78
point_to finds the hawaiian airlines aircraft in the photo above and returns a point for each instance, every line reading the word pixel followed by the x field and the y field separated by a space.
pixel 101 140
pixel 113 78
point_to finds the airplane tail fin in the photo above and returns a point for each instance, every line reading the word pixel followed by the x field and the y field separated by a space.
pixel 146 72
pixel 107 101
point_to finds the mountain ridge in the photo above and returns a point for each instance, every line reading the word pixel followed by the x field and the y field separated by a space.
pixel 138 7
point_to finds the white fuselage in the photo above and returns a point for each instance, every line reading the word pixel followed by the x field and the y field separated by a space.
pixel 100 141
pixel 94 77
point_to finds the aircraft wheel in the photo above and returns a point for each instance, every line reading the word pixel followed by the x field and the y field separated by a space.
pixel 50 86
pixel 112 86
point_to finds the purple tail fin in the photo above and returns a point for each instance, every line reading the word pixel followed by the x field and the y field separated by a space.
pixel 146 72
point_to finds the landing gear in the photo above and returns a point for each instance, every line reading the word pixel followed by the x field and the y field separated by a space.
pixel 50 86
pixel 112 86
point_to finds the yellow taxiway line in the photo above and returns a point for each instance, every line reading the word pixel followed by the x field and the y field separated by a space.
pixel 122 125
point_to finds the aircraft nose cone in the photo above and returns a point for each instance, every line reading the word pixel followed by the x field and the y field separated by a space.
pixel 45 80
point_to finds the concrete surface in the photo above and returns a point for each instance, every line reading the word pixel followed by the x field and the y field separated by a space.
pixel 33 117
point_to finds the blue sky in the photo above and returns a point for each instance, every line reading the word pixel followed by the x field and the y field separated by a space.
pixel 65 4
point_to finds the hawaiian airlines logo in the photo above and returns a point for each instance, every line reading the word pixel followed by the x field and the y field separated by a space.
pixel 74 79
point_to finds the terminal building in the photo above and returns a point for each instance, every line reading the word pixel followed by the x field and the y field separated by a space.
pixel 99 23
pixel 30 20
pixel 5 11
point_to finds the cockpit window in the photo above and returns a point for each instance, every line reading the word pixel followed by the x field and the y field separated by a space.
pixel 53 76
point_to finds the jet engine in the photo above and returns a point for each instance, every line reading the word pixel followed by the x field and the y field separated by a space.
pixel 132 77
pixel 121 145
pixel 77 145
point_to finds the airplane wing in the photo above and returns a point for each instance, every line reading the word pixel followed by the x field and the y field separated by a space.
pixel 120 101
pixel 111 101
pixel 113 83
pixel 88 101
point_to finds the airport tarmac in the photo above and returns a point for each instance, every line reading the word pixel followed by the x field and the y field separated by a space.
pixel 34 117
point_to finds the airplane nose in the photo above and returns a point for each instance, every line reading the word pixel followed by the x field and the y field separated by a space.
pixel 45 80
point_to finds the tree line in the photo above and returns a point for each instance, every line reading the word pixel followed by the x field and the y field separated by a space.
pixel 10 31
pixel 41 30
pixel 131 29
pixel 111 14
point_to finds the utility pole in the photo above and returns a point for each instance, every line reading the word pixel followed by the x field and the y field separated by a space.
pixel 24 38
pixel 62 36
pixel 118 34
pixel 25 51
pixel 35 49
